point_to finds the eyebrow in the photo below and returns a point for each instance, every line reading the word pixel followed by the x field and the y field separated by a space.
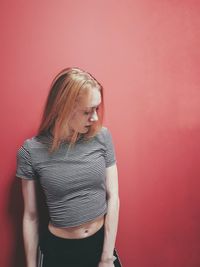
pixel 93 106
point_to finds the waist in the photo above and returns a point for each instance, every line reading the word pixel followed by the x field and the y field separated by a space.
pixel 77 232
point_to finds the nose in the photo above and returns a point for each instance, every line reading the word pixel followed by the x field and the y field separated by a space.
pixel 94 116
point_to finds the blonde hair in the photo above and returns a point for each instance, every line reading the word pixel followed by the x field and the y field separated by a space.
pixel 68 89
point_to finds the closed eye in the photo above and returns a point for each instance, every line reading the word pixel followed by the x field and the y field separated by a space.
pixel 86 113
pixel 90 112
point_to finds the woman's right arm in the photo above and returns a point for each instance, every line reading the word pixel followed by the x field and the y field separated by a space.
pixel 30 222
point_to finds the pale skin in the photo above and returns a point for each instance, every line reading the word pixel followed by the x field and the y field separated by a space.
pixel 84 116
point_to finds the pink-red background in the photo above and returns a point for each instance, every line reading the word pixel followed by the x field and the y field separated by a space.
pixel 146 54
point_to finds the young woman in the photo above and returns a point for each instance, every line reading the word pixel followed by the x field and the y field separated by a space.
pixel 73 158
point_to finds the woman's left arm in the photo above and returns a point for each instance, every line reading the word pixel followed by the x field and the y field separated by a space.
pixel 111 218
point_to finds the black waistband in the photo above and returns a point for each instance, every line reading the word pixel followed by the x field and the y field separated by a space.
pixel 51 238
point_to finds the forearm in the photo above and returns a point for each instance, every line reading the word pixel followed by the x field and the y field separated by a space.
pixel 111 225
pixel 31 237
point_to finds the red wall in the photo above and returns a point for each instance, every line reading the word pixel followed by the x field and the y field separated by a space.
pixel 146 54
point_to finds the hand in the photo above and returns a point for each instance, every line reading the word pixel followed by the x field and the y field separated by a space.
pixel 106 264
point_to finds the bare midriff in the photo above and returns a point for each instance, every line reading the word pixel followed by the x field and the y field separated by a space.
pixel 76 232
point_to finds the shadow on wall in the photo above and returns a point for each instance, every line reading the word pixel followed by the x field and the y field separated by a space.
pixel 15 212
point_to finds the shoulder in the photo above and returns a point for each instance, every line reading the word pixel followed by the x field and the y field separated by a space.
pixel 30 143
pixel 104 131
pixel 110 157
pixel 104 135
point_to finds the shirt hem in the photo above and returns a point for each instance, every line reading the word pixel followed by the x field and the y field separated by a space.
pixel 25 177
pixel 79 223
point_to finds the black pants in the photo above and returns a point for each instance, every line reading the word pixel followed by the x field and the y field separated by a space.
pixel 54 251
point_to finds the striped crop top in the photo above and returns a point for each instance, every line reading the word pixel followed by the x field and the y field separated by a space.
pixel 73 180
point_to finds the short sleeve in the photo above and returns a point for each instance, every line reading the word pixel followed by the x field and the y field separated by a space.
pixel 24 164
pixel 110 157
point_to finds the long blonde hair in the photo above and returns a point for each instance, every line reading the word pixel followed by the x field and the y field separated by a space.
pixel 68 88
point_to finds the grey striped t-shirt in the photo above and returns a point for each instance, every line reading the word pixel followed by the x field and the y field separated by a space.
pixel 73 180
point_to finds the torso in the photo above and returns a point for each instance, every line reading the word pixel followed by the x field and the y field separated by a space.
pixel 76 232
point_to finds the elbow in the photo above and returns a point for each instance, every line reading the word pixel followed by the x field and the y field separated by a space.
pixel 118 202
pixel 30 216
pixel 114 198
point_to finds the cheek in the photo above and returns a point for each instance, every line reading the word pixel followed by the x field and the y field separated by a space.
pixel 75 117
pixel 80 119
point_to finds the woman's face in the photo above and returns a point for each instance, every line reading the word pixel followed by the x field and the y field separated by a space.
pixel 85 115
